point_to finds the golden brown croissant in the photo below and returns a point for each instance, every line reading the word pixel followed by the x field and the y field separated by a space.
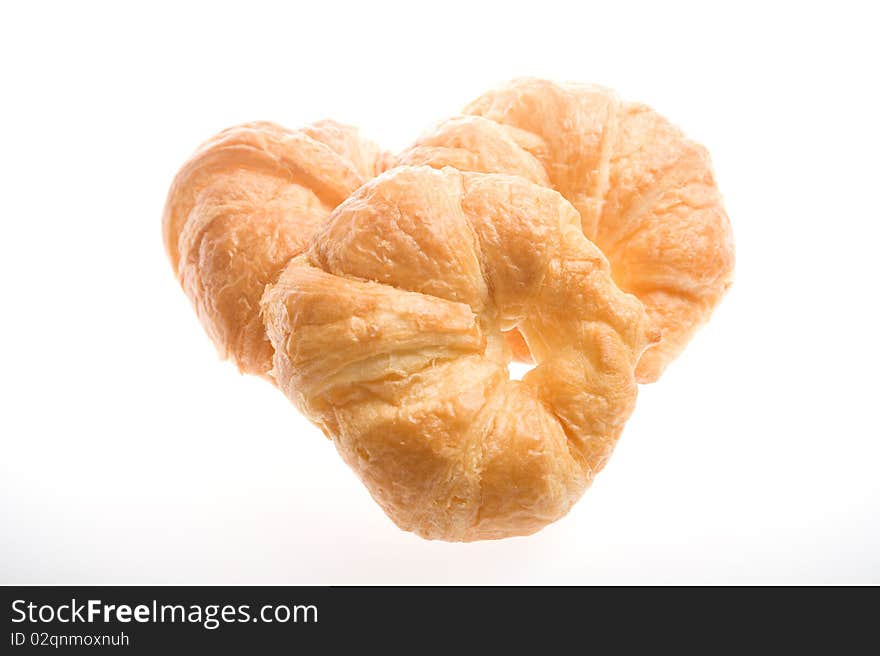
pixel 645 194
pixel 388 335
pixel 245 203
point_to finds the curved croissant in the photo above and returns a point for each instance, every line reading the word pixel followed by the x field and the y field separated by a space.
pixel 646 195
pixel 245 203
pixel 387 333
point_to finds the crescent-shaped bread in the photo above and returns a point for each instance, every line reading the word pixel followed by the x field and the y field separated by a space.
pixel 645 193
pixel 245 203
pixel 387 334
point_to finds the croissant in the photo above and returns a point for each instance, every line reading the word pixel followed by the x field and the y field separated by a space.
pixel 387 333
pixel 248 201
pixel 383 295
pixel 646 195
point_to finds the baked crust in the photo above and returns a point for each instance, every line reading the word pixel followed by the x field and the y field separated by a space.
pixel 387 333
pixel 646 195
pixel 247 201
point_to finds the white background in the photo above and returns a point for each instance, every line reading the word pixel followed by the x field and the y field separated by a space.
pixel 130 454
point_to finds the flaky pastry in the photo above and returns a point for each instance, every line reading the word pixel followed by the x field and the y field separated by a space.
pixel 386 308
pixel 387 333
pixel 646 195
pixel 245 203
